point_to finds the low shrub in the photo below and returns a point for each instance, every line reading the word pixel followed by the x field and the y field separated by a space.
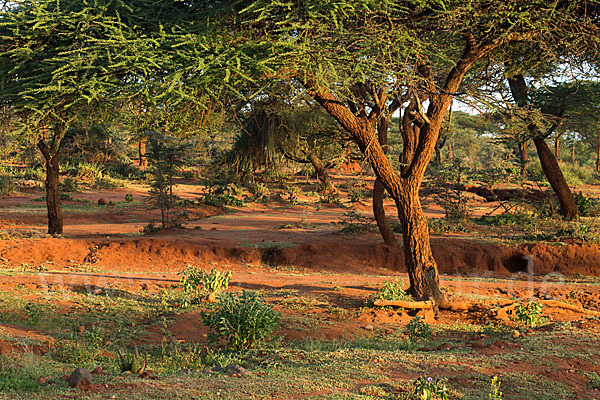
pixel 243 320
pixel 7 185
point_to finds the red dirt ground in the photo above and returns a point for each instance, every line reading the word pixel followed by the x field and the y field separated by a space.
pixel 289 249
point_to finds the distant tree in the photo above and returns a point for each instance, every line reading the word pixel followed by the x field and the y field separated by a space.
pixel 166 155
pixel 59 60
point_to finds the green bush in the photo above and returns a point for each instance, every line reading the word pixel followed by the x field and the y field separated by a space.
pixel 7 185
pixel 33 174
pixel 69 185
pixel 587 206
pixel 391 290
pixel 506 219
pixel 242 320
pixel 418 329
pixel 106 182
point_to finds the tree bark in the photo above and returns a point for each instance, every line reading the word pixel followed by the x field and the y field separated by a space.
pixel 383 222
pixel 598 154
pixel 557 146
pixel 556 179
pixel 421 266
pixel 524 156
pixel 322 173
pixel 143 163
pixel 53 206
pixel 404 187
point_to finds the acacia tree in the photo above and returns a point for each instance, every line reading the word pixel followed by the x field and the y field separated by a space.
pixel 297 130
pixel 57 59
pixel 417 51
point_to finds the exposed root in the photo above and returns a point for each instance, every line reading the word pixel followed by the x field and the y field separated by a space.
pixel 405 304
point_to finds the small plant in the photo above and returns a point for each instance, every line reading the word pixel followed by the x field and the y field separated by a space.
pixel 428 389
pixel 132 362
pixel 529 314
pixel 33 312
pixel 594 380
pixel 442 225
pixel 195 280
pixel 7 185
pixel 418 329
pixel 495 393
pixel 242 320
pixel 587 206
pixel 391 290
pixel 69 185
pixel 128 198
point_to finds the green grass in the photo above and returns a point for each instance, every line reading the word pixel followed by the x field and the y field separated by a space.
pixel 373 365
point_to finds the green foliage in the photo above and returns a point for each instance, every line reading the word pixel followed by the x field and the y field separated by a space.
pixel 69 185
pixel 166 154
pixel 430 389
pixel 21 372
pixel 82 349
pixel 587 206
pixel 495 393
pixel 441 225
pixel 7 185
pixel 128 198
pixel 418 329
pixel 446 186
pixel 34 174
pixel 197 282
pixel 391 290
pixel 530 314
pixel 132 362
pixel 34 312
pixel 242 320
pixel 506 219
pixel 223 200
pixel 106 182
pixel 594 380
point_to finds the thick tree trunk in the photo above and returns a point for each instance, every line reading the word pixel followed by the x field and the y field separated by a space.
pixel 421 266
pixel 322 173
pixel 55 215
pixel 524 156
pixel 556 178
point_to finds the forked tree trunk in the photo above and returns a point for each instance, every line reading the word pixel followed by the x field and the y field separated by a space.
pixel 383 223
pixel 403 187
pixel 322 173
pixel 556 179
